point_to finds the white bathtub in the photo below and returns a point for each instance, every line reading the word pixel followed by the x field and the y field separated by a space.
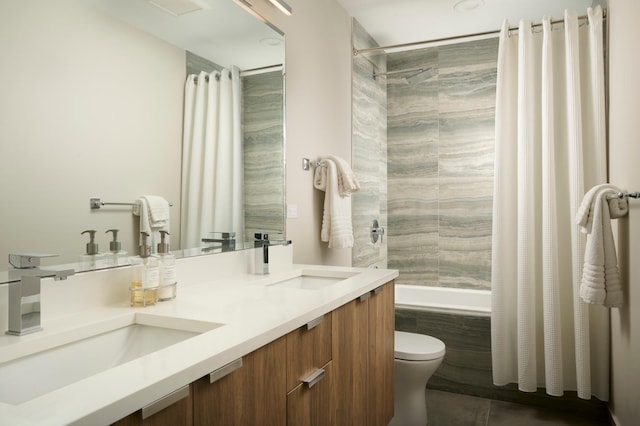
pixel 443 298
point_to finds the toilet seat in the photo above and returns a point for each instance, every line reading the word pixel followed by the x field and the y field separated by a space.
pixel 417 347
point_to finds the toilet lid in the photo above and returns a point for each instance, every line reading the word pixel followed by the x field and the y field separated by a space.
pixel 417 347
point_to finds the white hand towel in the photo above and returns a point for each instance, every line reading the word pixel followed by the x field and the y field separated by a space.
pixel 347 181
pixel 584 215
pixel 337 229
pixel 618 207
pixel 600 282
pixel 154 217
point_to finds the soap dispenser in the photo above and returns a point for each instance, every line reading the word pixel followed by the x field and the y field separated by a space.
pixel 116 256
pixel 145 275
pixel 167 264
pixel 92 259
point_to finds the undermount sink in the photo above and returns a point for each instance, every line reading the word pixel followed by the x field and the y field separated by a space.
pixel 95 349
pixel 313 279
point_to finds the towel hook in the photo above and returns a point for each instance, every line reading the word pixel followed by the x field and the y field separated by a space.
pixel 623 195
pixel 307 164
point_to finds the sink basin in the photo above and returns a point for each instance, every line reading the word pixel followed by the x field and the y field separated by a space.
pixel 313 279
pixel 107 345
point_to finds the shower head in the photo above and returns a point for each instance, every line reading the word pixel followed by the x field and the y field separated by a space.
pixel 419 74
pixel 422 75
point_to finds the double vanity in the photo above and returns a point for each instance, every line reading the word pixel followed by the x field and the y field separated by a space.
pixel 234 347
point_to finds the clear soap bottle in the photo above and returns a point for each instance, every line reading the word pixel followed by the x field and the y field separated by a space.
pixel 92 259
pixel 167 263
pixel 116 256
pixel 145 275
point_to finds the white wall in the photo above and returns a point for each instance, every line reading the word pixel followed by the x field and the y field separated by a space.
pixel 77 121
pixel 624 155
pixel 318 108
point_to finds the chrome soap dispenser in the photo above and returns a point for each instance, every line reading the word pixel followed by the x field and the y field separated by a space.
pixel 92 259
pixel 167 264
pixel 145 275
pixel 117 256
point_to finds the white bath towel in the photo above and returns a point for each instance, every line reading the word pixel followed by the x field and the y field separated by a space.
pixel 600 282
pixel 337 229
pixel 584 215
pixel 347 181
pixel 154 217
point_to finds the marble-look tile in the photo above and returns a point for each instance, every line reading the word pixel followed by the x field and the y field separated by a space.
pixel 369 151
pixel 440 147
pixel 469 53
pixel 464 225
pixel 467 89
pixel 466 143
pixel 413 149
pixel 263 151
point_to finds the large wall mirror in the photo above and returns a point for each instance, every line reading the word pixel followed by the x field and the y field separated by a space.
pixel 92 105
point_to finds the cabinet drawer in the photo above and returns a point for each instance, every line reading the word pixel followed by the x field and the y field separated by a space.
pixel 310 402
pixel 308 348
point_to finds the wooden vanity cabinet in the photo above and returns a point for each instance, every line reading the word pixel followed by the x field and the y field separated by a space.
pixel 309 373
pixel 335 370
pixel 310 404
pixel 363 356
pixel 381 353
pixel 254 394
pixel 178 412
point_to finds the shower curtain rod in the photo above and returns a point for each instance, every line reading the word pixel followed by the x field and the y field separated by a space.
pixel 356 51
pixel 247 72
pixel 265 68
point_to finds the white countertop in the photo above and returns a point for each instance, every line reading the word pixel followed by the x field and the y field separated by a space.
pixel 252 313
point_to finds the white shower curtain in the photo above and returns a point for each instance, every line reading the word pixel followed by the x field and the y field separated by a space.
pixel 212 160
pixel 550 149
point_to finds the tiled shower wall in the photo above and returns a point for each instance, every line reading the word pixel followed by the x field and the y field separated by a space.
pixel 440 165
pixel 369 153
pixel 263 131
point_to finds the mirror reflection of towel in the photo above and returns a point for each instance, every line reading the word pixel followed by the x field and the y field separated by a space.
pixel 154 217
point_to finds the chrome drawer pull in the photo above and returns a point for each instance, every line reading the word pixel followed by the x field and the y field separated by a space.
pixel 314 378
pixel 378 289
pixel 364 296
pixel 313 323
pixel 225 370
pixel 165 402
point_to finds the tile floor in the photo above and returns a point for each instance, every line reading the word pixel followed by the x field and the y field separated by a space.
pixel 452 409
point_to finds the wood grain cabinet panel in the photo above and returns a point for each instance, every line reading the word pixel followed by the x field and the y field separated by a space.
pixel 179 413
pixel 349 381
pixel 308 348
pixel 254 394
pixel 363 359
pixel 381 355
pixel 311 406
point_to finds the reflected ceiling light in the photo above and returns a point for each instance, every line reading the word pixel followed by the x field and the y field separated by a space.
pixel 282 5
pixel 467 5
pixel 271 41
pixel 179 7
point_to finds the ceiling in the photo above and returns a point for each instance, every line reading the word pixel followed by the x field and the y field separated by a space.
pixel 392 22
pixel 218 30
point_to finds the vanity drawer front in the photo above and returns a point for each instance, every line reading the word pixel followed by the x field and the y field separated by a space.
pixel 308 348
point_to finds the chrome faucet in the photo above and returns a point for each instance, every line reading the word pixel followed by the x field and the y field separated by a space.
pixel 226 239
pixel 24 295
pixel 261 242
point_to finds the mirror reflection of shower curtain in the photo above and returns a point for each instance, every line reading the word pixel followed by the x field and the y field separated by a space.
pixel 550 149
pixel 212 159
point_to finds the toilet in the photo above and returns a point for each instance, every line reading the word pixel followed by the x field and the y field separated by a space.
pixel 417 357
